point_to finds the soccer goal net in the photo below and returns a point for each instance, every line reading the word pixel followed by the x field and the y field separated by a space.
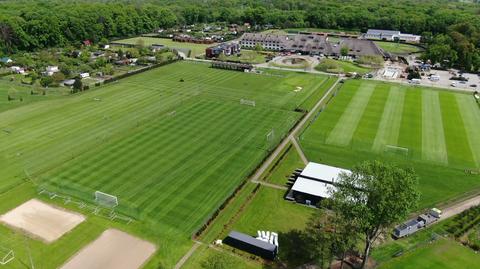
pixel 270 135
pixel 247 102
pixel 105 199
pixel 6 256
pixel 395 150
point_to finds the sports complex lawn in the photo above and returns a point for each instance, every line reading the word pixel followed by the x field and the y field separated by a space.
pixel 339 66
pixel 442 254
pixel 196 49
pixel 397 48
pixel 435 132
pixel 172 143
pixel 21 95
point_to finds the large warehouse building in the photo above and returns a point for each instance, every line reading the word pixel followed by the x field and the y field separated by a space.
pixel 315 183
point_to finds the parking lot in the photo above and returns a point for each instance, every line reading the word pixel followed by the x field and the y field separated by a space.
pixel 442 78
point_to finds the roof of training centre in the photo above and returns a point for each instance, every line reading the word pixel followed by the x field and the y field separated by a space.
pixel 313 187
pixel 382 32
pixel 358 47
pixel 322 172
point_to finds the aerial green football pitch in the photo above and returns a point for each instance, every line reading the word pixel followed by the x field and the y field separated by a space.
pixel 171 143
pixel 435 132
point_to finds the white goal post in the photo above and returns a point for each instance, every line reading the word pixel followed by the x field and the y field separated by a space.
pixel 270 135
pixel 396 150
pixel 105 199
pixel 8 257
pixel 247 102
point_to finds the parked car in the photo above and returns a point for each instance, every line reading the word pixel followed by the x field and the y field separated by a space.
pixel 473 85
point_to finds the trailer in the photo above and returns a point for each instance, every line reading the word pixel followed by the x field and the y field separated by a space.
pixel 413 225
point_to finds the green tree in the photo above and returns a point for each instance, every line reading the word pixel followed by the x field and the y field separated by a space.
pixel 77 85
pixel 330 236
pixel 46 81
pixel 374 197
pixel 344 51
pixel 258 47
pixel 58 77
pixel 217 261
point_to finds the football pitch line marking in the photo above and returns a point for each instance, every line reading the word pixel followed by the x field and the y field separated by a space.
pixel 471 118
pixel 342 133
pixel 389 128
pixel 433 136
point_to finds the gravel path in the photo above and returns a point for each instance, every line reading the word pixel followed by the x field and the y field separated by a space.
pixel 460 207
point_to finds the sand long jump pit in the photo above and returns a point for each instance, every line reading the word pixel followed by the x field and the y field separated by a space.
pixel 114 249
pixel 42 220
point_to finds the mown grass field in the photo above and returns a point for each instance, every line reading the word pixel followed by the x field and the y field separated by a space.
pixel 338 66
pixel 435 132
pixel 442 254
pixel 171 143
pixel 21 95
pixel 196 49
pixel 397 48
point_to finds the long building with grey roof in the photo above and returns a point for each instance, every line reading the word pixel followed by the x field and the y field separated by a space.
pixel 312 44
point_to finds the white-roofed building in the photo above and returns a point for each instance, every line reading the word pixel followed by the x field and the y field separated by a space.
pixel 313 187
pixel 389 35
pixel 322 172
pixel 315 183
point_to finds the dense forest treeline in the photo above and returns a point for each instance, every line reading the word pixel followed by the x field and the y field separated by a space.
pixel 451 28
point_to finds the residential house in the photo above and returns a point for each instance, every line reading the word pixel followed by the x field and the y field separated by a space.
pixel 84 75
pixel 6 60
pixel 18 70
pixel 50 70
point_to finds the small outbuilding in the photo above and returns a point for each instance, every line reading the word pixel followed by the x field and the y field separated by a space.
pixel 251 245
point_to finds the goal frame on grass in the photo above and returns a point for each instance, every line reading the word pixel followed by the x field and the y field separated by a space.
pixel 247 102
pixel 8 257
pixel 391 149
pixel 106 200
pixel 270 135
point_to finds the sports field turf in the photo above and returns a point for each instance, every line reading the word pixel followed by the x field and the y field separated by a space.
pixel 434 131
pixel 442 254
pixel 21 94
pixel 397 48
pixel 171 143
pixel 196 49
